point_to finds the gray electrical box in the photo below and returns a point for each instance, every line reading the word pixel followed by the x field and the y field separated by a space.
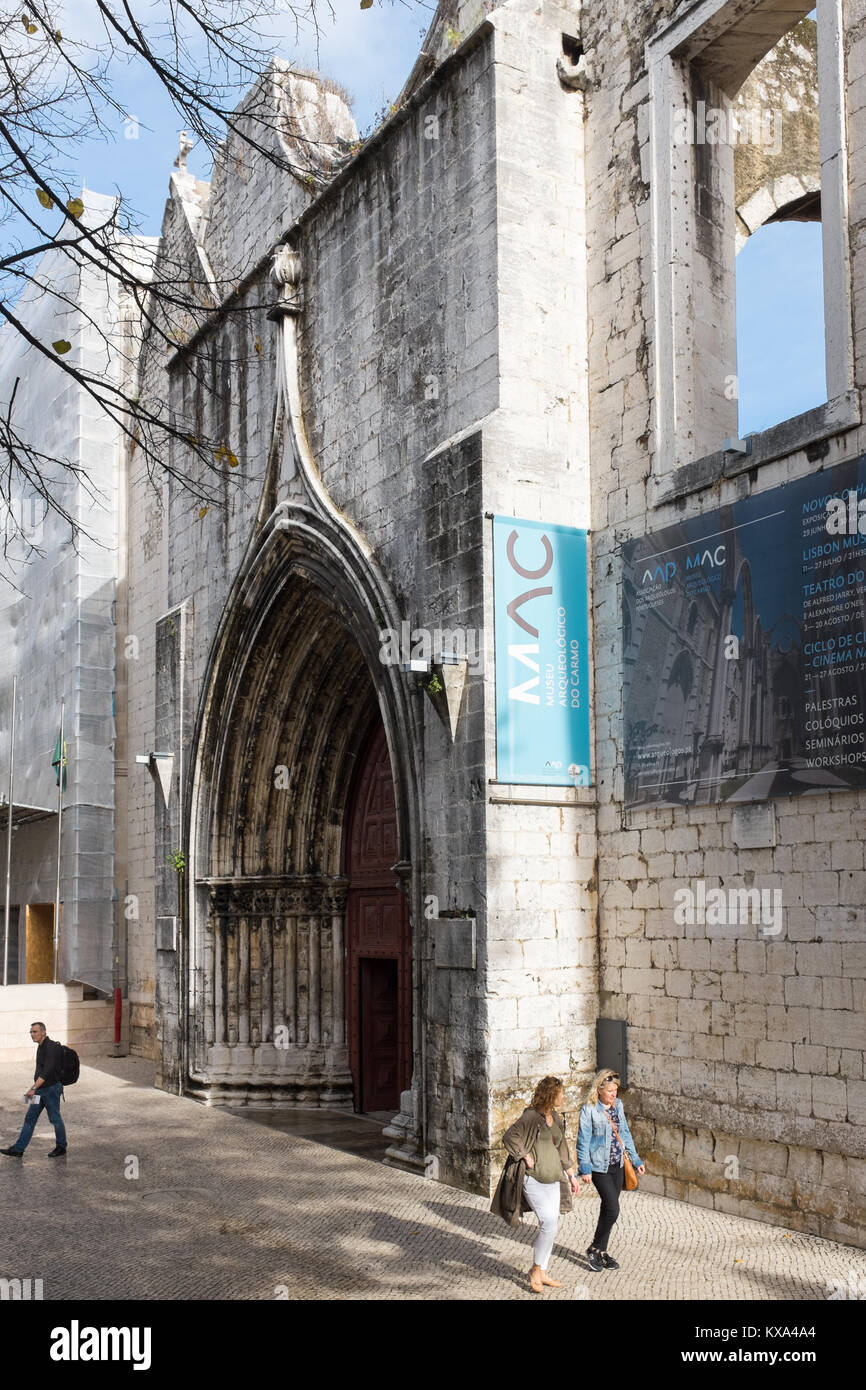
pixel 166 933
pixel 610 1046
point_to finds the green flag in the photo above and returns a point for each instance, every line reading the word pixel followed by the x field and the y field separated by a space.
pixel 55 761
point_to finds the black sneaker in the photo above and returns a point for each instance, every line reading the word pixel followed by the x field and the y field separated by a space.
pixel 609 1261
pixel 596 1260
pixel 12 1153
pixel 57 1153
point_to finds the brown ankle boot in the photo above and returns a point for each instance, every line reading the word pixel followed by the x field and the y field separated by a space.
pixel 536 1279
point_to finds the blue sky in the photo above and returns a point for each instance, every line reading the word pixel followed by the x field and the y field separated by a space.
pixel 780 324
pixel 370 52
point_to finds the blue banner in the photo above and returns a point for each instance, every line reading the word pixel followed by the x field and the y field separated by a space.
pixel 540 606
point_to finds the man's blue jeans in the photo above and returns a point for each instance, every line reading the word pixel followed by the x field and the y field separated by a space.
pixel 50 1102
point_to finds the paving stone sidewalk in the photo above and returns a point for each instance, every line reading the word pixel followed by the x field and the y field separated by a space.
pixel 224 1208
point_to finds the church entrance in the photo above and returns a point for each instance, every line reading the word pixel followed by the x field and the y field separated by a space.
pixel 300 957
pixel 378 948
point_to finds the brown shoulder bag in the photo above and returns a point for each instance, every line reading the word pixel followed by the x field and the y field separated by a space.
pixel 630 1182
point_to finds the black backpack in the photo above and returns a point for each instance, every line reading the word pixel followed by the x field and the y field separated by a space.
pixel 69 1066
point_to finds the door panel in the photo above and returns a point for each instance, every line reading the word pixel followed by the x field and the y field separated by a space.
pixel 380 1081
pixel 378 948
pixel 39 943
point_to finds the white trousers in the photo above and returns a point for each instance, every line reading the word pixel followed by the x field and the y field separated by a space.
pixel 544 1198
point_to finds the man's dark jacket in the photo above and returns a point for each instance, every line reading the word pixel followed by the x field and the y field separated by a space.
pixel 49 1059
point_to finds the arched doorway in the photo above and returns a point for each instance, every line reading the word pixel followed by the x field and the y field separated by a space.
pixel 378 945
pixel 284 764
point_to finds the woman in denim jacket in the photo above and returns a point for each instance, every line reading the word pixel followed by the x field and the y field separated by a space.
pixel 600 1158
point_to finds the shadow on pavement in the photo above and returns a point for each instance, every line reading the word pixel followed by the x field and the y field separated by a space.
pixel 358 1135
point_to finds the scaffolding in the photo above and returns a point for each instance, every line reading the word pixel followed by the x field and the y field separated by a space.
pixel 57 620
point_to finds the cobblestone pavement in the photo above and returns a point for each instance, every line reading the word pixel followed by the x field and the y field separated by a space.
pixel 228 1209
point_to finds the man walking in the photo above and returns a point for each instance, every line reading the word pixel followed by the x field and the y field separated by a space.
pixel 45 1092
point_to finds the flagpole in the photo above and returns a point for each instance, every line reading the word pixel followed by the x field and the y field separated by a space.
pixel 9 838
pixel 59 821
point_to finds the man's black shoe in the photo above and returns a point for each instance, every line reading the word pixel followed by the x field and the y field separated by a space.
pixel 57 1153
pixel 609 1261
pixel 13 1153
pixel 595 1260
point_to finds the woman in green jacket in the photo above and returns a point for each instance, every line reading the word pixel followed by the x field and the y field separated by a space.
pixel 538 1139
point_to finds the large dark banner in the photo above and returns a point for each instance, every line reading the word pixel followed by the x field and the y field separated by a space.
pixel 744 648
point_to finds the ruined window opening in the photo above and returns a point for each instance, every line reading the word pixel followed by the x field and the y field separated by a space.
pixel 707 55
pixel 780 334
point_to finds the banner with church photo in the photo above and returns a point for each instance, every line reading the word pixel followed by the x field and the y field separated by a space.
pixel 542 653
pixel 744 648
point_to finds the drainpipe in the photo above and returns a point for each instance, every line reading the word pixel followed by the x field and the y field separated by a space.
pixel 415 898
pixel 420 978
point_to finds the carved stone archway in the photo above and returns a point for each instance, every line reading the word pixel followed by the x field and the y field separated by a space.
pixel 294 687
pixel 293 680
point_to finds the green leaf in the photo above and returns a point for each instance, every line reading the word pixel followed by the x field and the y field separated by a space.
pixel 202 512
pixel 61 346
pixel 366 4
pixel 44 197
pixel 75 206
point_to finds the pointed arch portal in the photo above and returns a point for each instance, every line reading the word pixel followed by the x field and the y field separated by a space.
pixel 300 957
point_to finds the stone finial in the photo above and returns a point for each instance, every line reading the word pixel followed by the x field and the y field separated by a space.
pixel 286 267
pixel 286 275
pixel 184 145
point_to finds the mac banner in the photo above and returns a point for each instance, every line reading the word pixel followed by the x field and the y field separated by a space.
pixel 542 654
pixel 744 648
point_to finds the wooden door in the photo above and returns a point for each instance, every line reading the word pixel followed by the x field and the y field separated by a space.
pixel 380 1080
pixel 39 943
pixel 378 948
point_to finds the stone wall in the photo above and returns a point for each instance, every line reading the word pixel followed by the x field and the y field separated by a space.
pixel 745 1055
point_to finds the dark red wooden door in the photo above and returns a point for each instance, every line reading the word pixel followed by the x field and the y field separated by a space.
pixel 378 949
